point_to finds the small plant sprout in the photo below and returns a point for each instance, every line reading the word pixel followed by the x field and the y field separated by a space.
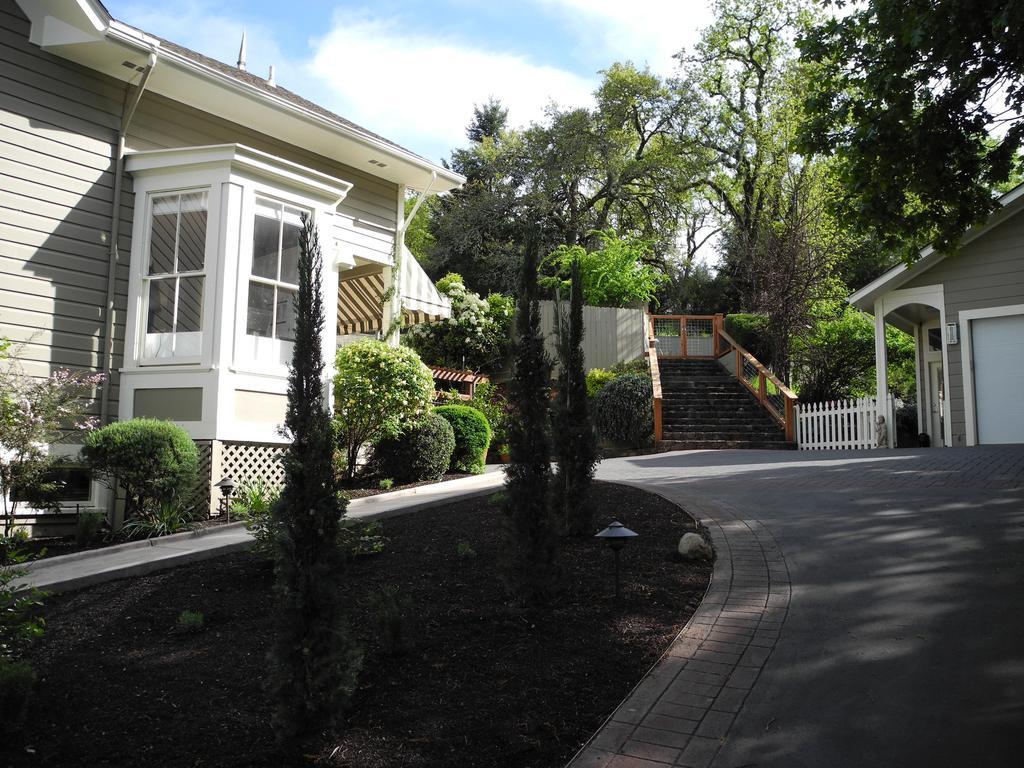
pixel 191 622
pixel 386 484
pixel 465 550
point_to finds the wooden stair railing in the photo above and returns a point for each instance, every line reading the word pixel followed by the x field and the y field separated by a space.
pixel 780 403
pixel 652 360
pixel 774 396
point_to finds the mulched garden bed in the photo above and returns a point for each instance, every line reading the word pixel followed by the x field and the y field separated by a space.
pixel 482 685
pixel 53 546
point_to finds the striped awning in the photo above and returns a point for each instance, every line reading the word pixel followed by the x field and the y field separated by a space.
pixel 361 290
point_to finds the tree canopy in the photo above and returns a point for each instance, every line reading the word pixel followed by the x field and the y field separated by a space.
pixel 922 104
pixel 579 172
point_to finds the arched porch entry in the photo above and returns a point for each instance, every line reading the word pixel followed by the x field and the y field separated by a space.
pixel 919 312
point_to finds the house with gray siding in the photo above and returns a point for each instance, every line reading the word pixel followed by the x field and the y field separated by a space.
pixel 965 311
pixel 150 200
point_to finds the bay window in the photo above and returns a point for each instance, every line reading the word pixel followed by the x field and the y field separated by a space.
pixel 175 276
pixel 274 278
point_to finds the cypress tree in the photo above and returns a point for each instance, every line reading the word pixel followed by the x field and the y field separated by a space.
pixel 533 535
pixel 314 663
pixel 574 438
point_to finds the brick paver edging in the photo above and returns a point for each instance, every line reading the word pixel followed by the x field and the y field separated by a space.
pixel 680 713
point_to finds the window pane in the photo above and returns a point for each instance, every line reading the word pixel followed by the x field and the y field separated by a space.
pixel 285 329
pixel 190 304
pixel 162 235
pixel 260 315
pixel 265 240
pixel 290 253
pixel 192 232
pixel 161 306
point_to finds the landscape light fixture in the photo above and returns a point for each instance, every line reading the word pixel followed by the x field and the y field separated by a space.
pixel 615 536
pixel 227 487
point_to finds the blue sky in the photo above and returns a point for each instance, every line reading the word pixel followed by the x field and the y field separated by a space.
pixel 413 70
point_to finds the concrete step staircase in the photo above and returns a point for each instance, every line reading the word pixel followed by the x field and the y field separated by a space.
pixel 703 406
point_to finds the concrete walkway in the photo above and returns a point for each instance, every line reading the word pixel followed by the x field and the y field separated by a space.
pixel 864 610
pixel 80 569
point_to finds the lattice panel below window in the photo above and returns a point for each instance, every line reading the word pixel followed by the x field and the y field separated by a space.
pixel 202 498
pixel 249 462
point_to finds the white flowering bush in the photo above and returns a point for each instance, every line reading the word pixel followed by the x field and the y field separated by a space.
pixel 36 413
pixel 477 336
pixel 379 391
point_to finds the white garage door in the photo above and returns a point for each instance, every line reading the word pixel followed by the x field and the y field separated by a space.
pixel 998 347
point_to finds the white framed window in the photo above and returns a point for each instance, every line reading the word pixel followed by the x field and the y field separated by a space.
pixel 175 277
pixel 274 277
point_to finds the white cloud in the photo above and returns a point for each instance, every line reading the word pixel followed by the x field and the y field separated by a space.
pixel 643 31
pixel 420 90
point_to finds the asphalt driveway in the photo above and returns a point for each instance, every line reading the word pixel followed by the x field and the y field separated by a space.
pixel 903 642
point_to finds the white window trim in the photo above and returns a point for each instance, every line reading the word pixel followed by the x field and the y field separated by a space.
pixel 272 282
pixel 147 279
pixel 967 359
pixel 272 355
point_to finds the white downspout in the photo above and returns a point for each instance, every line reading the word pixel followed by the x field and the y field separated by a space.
pixel 393 324
pixel 107 343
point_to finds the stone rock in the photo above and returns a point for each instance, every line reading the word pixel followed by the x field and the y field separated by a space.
pixel 693 547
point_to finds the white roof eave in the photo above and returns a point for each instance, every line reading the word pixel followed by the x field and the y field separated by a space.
pixel 288 121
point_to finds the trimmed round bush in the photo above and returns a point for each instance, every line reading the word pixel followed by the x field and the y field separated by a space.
pixel 379 391
pixel 624 411
pixel 422 452
pixel 472 436
pixel 152 460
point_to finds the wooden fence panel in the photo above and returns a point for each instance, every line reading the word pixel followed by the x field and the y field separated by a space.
pixel 612 334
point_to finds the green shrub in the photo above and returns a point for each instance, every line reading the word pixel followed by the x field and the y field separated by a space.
pixel 386 484
pixel 170 516
pixel 360 538
pixel 422 452
pixel 490 401
pixel 254 503
pixel 190 622
pixel 152 460
pixel 623 411
pixel 476 336
pixel 379 391
pixel 89 526
pixel 19 624
pixel 596 379
pixel 639 367
pixel 394 615
pixel 750 332
pixel 472 436
pixel 16 681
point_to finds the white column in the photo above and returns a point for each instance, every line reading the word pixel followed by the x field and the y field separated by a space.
pixel 921 378
pixel 392 309
pixel 881 370
pixel 329 292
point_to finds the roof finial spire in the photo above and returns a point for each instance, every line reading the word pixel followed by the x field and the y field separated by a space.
pixel 270 78
pixel 241 53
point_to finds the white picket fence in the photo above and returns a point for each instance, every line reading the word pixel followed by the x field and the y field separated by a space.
pixel 841 424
